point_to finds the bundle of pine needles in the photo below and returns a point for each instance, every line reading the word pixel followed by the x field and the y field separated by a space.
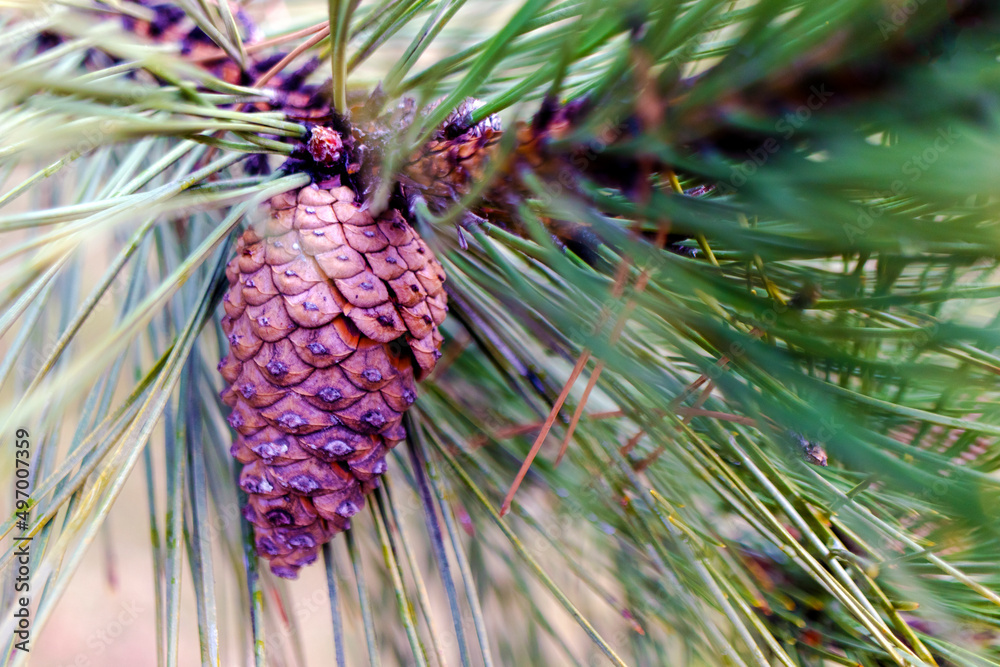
pixel 718 381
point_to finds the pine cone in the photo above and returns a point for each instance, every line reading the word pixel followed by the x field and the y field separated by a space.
pixel 446 167
pixel 330 316
pixel 288 91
